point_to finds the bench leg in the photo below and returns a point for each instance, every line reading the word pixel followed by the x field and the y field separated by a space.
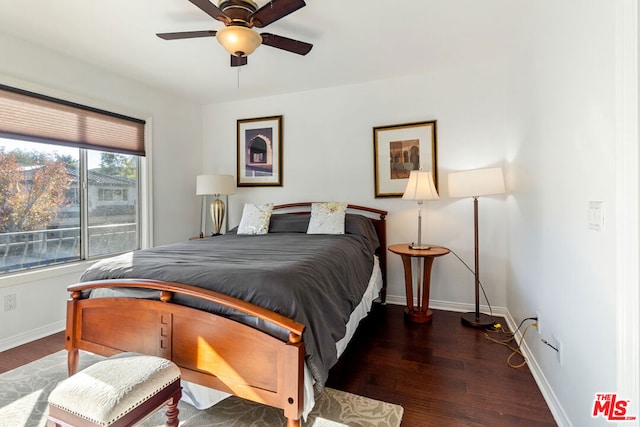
pixel 172 410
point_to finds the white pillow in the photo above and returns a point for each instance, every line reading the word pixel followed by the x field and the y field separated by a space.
pixel 327 218
pixel 255 219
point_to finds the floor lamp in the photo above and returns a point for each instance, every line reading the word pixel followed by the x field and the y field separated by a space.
pixel 216 185
pixel 475 183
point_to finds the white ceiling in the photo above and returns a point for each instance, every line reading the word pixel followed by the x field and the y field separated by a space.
pixel 354 41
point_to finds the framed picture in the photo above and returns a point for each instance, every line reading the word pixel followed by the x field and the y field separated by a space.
pixel 399 149
pixel 260 152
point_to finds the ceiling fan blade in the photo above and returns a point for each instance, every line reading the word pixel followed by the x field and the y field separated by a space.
pixel 274 10
pixel 212 10
pixel 238 61
pixel 284 43
pixel 186 35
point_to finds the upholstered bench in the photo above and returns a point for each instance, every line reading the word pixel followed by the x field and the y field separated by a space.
pixel 119 391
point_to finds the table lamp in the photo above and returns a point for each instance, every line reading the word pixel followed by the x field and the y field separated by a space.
pixel 475 183
pixel 420 188
pixel 216 185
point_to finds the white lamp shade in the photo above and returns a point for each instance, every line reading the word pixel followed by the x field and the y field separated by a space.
pixel 238 40
pixel 476 182
pixel 215 184
pixel 420 187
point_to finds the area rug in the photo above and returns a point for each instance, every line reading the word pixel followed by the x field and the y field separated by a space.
pixel 24 392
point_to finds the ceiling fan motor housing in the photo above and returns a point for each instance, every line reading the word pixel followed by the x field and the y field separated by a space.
pixel 238 10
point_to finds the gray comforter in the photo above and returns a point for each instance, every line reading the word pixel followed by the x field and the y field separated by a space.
pixel 316 280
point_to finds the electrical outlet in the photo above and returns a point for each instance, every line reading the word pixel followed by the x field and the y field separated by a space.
pixel 539 327
pixel 10 302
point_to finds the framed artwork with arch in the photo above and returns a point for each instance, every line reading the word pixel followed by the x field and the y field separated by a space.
pixel 399 149
pixel 260 152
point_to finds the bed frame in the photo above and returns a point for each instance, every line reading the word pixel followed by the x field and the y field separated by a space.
pixel 210 350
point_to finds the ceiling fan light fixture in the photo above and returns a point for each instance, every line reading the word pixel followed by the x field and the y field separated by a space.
pixel 238 40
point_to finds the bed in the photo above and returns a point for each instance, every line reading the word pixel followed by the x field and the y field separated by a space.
pixel 259 317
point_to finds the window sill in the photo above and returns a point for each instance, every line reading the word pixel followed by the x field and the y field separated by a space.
pixel 22 277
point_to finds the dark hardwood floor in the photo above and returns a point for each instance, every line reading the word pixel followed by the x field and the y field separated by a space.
pixel 442 374
pixel 29 352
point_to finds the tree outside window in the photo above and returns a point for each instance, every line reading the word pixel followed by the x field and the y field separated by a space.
pixel 42 203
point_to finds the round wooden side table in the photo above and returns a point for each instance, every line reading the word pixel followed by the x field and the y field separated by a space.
pixel 418 313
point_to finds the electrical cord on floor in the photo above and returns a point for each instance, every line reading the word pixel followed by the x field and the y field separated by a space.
pixel 511 337
pixel 496 327
pixel 481 287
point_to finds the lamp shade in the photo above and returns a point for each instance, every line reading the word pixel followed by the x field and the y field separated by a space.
pixel 238 40
pixel 476 182
pixel 420 187
pixel 215 184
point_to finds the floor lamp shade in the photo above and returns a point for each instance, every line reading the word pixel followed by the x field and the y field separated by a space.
pixel 420 187
pixel 216 185
pixel 475 183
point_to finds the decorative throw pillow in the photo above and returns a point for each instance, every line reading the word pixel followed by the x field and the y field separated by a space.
pixel 255 219
pixel 327 218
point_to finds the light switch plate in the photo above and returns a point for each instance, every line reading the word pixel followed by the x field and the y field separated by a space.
pixel 595 216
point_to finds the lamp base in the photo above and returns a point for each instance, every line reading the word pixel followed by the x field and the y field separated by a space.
pixel 477 321
pixel 419 247
pixel 217 215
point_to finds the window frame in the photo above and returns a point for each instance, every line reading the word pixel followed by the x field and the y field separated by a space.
pixel 145 199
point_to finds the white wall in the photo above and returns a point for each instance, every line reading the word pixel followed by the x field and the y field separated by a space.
pixel 176 148
pixel 328 155
pixel 562 153
pixel 548 114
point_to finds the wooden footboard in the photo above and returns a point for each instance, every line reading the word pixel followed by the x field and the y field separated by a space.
pixel 210 350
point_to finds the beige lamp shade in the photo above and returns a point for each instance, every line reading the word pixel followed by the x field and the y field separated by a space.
pixel 476 182
pixel 220 185
pixel 420 186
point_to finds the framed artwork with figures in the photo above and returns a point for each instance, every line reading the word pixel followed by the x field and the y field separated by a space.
pixel 399 149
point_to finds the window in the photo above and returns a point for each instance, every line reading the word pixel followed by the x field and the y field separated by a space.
pixel 112 198
pixel 63 200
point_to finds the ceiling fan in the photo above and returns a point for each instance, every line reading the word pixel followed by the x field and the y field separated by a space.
pixel 240 17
